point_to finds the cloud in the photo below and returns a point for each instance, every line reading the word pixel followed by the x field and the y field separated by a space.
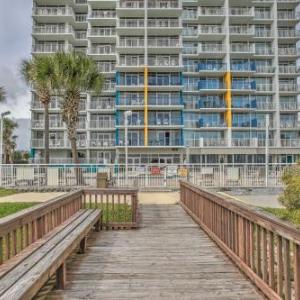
pixel 15 37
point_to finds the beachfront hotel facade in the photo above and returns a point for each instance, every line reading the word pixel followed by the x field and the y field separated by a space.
pixel 206 81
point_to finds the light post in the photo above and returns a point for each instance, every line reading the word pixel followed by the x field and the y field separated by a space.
pixel 126 115
pixel 3 115
pixel 267 149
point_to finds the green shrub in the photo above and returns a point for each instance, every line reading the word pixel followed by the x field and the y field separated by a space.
pixel 290 197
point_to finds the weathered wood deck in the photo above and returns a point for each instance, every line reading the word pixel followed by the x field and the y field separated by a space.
pixel 169 257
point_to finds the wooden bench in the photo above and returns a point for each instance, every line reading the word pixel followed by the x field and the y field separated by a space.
pixel 24 275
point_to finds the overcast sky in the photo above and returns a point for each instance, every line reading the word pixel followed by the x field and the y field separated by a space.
pixel 15 45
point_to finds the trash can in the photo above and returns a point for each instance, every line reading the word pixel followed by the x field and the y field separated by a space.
pixel 102 180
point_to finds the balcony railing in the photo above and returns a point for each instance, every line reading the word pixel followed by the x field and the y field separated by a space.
pixel 101 32
pixel 264 69
pixel 264 51
pixel 241 30
pixel 211 29
pixel 163 4
pixel 242 48
pixel 131 23
pixel 287 51
pixel 52 29
pixel 106 49
pixel 99 104
pixel 211 11
pixel 265 105
pixel 163 23
pixel 286 15
pixel 264 87
pixel 290 143
pixel 263 15
pixel 285 69
pixel 243 85
pixel 53 11
pixel 164 142
pixel 165 122
pixel 288 87
pixel 166 42
pixel 99 124
pixel 210 48
pixel 204 142
pixel 51 48
pixel 131 4
pixel 131 43
pixel 130 62
pixel 288 124
pixel 101 143
pixel 289 106
pixel 241 11
pixel 287 33
pixel 163 62
pixel 103 14
pixel 210 85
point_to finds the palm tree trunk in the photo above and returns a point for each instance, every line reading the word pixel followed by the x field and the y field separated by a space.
pixel 74 151
pixel 46 137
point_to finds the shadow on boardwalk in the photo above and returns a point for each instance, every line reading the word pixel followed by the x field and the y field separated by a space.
pixel 169 257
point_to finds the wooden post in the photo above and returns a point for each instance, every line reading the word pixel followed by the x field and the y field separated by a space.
pixel 61 276
pixel 82 245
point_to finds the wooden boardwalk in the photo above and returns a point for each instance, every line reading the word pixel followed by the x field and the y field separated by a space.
pixel 168 258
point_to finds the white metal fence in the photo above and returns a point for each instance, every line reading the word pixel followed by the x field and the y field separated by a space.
pixel 65 176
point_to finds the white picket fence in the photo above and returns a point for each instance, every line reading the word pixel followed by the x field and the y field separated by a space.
pixel 39 176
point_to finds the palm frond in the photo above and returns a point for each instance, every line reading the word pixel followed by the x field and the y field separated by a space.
pixel 2 94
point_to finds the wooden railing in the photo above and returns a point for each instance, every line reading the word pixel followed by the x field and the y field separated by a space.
pixel 264 248
pixel 119 206
pixel 22 229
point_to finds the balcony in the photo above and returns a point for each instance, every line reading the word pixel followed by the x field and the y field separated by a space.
pixel 285 87
pixel 132 142
pixel 287 69
pixel 206 143
pixel 158 63
pixel 211 15
pixel 262 15
pixel 165 102
pixel 265 87
pixel 259 51
pixel 263 33
pixel 211 85
pixel 202 123
pixel 81 18
pixel 211 32
pixel 47 14
pixel 288 35
pixel 243 68
pixel 125 102
pixel 239 32
pixel 102 105
pixel 165 142
pixel 288 124
pixel 289 106
pixel 102 124
pixel 101 143
pixel 290 143
pixel 162 8
pixel 130 8
pixel 240 50
pixel 109 87
pixel 54 32
pixel 131 45
pixel 50 48
pixel 211 50
pixel 107 35
pixel 265 105
pixel 217 104
pixel 103 51
pixel 164 45
pixel 165 122
pixel 287 51
pixel 106 67
pixel 265 69
pixel 240 13
pixel 243 85
pixel 164 27
pixel 102 17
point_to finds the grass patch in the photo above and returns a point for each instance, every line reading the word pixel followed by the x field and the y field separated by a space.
pixel 290 215
pixel 114 213
pixel 8 208
pixel 7 192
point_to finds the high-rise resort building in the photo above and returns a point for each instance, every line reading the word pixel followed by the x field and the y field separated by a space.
pixel 204 81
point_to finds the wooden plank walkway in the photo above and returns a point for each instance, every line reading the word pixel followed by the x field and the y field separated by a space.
pixel 169 257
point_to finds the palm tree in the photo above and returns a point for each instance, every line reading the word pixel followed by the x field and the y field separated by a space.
pixel 76 74
pixel 2 93
pixel 38 73
pixel 9 140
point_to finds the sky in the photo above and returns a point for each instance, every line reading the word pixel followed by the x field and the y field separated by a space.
pixel 15 45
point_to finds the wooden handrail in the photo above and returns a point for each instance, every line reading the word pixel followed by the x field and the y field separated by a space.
pixel 22 229
pixel 266 249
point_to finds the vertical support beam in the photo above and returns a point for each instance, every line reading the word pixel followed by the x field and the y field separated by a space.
pixel 145 73
pixel 145 105
pixel 61 277
pixel 228 114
